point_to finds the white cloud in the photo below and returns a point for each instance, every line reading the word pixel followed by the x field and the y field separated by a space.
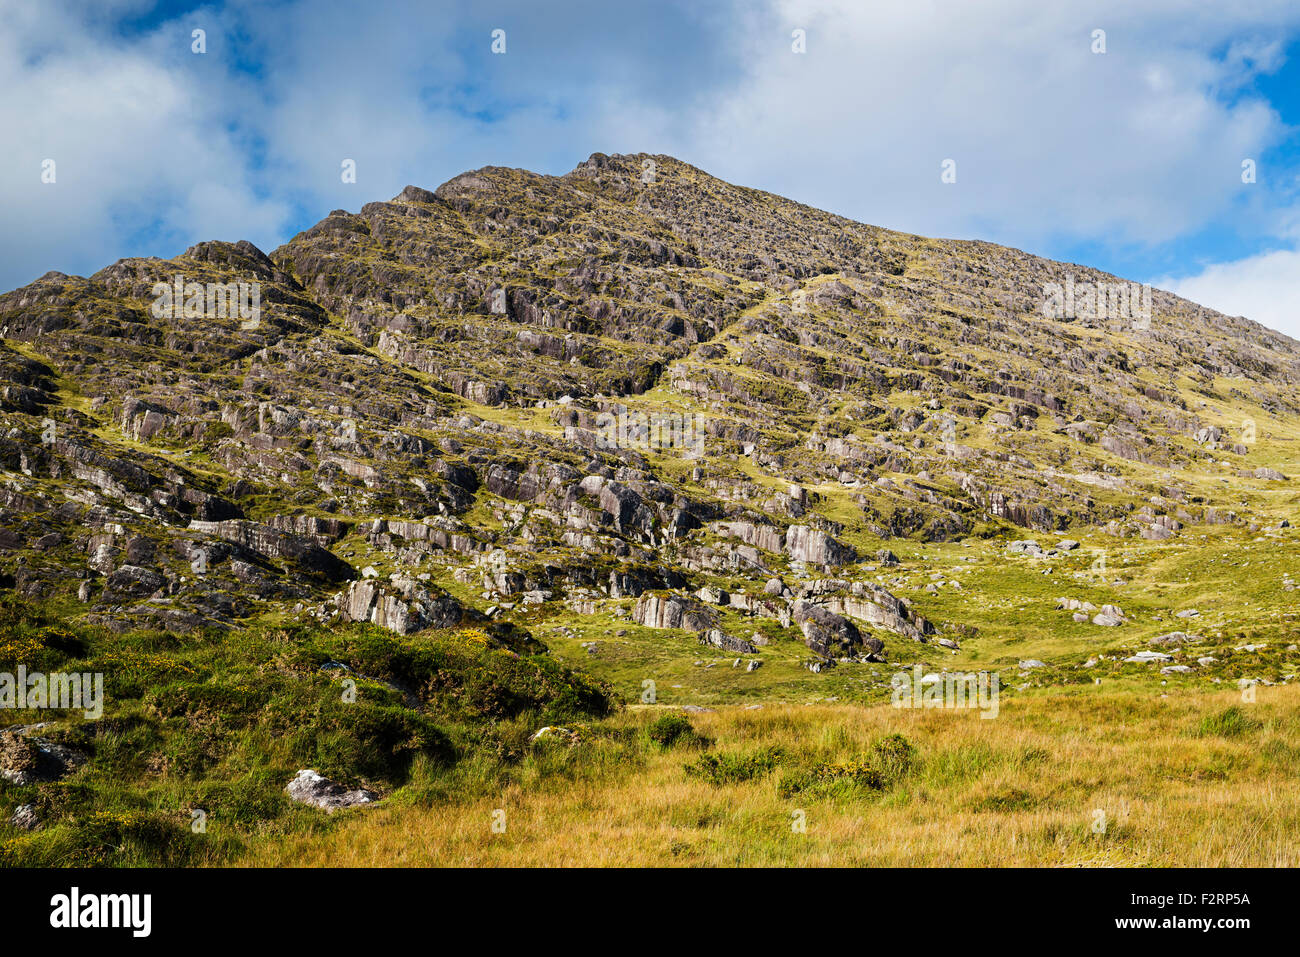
pixel 1054 144
pixel 137 147
pixel 1265 288
pixel 1051 140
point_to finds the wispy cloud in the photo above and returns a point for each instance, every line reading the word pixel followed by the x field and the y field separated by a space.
pixel 1265 288
pixel 1128 159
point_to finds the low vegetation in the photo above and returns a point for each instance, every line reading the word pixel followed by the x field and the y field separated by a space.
pixel 1064 779
pixel 201 734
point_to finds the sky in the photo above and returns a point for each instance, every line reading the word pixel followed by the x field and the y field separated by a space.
pixel 123 138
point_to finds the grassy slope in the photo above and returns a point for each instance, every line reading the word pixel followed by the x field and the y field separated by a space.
pixel 219 724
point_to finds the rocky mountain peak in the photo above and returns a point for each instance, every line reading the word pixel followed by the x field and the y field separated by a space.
pixel 633 379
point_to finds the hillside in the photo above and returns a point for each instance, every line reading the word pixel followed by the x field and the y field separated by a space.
pixel 700 442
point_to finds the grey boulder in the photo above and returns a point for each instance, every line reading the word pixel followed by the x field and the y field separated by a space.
pixel 309 787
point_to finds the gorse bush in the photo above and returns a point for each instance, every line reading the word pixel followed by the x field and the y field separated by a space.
pixel 718 769
pixel 893 756
pixel 889 759
pixel 830 778
pixel 464 675
pixel 670 730
pixel 370 741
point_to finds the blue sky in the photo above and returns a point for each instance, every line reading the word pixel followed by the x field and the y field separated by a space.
pixel 1129 160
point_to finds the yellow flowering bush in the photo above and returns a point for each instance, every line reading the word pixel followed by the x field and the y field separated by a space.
pixel 19 649
pixel 473 636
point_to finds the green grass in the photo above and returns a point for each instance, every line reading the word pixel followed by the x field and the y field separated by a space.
pixel 220 724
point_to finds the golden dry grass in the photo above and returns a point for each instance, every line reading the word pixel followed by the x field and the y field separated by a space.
pixel 1027 788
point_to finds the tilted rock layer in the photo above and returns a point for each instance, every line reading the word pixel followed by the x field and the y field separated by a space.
pixel 486 385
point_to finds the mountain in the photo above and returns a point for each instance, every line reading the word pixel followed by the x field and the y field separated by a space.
pixel 632 390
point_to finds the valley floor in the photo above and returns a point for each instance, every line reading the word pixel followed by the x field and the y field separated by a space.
pixel 1086 776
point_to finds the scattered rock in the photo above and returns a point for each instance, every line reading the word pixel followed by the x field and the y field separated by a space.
pixel 1109 617
pixel 1175 638
pixel 1148 657
pixel 26 759
pixel 309 787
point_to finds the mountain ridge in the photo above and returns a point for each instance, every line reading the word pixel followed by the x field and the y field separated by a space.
pixel 423 391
